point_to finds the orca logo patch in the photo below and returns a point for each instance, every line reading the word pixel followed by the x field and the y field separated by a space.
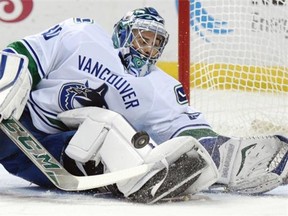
pixel 74 95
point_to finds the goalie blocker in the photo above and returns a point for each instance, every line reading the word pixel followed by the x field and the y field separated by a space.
pixel 104 138
pixel 15 84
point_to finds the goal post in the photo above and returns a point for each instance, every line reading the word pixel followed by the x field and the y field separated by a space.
pixel 184 45
pixel 238 64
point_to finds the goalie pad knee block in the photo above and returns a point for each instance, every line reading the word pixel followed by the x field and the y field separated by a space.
pixel 86 142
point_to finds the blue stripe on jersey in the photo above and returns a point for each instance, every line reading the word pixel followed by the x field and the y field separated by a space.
pixel 36 107
pixel 36 58
pixel 189 126
pixel 40 108
pixel 45 122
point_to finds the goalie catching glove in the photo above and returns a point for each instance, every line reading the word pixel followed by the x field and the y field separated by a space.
pixel 104 137
pixel 15 84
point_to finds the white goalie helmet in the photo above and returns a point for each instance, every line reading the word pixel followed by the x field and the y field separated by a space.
pixel 140 37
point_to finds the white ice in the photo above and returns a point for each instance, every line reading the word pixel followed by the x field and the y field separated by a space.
pixel 19 198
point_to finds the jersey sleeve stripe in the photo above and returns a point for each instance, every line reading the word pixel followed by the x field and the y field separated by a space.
pixel 40 108
pixel 51 121
pixel 47 121
pixel 192 127
pixel 32 66
pixel 36 58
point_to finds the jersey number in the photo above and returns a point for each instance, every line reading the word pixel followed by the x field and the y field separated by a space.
pixel 52 32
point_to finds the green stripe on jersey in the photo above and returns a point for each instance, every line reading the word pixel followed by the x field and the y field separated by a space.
pixel 57 123
pixel 32 66
pixel 199 133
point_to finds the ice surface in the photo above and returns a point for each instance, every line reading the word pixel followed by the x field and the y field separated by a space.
pixel 19 198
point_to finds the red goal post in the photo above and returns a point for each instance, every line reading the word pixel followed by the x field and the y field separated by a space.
pixel 184 45
pixel 232 63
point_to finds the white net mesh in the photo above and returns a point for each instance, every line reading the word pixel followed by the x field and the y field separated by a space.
pixel 239 72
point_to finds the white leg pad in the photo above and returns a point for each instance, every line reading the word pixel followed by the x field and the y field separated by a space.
pixel 247 164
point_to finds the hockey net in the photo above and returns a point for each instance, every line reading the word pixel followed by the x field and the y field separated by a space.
pixel 239 64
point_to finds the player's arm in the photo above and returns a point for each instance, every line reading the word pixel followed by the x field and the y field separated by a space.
pixel 24 63
pixel 40 50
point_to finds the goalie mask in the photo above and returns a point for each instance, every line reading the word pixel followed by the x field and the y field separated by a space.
pixel 140 37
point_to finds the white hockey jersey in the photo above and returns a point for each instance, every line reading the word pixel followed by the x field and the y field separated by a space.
pixel 74 64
